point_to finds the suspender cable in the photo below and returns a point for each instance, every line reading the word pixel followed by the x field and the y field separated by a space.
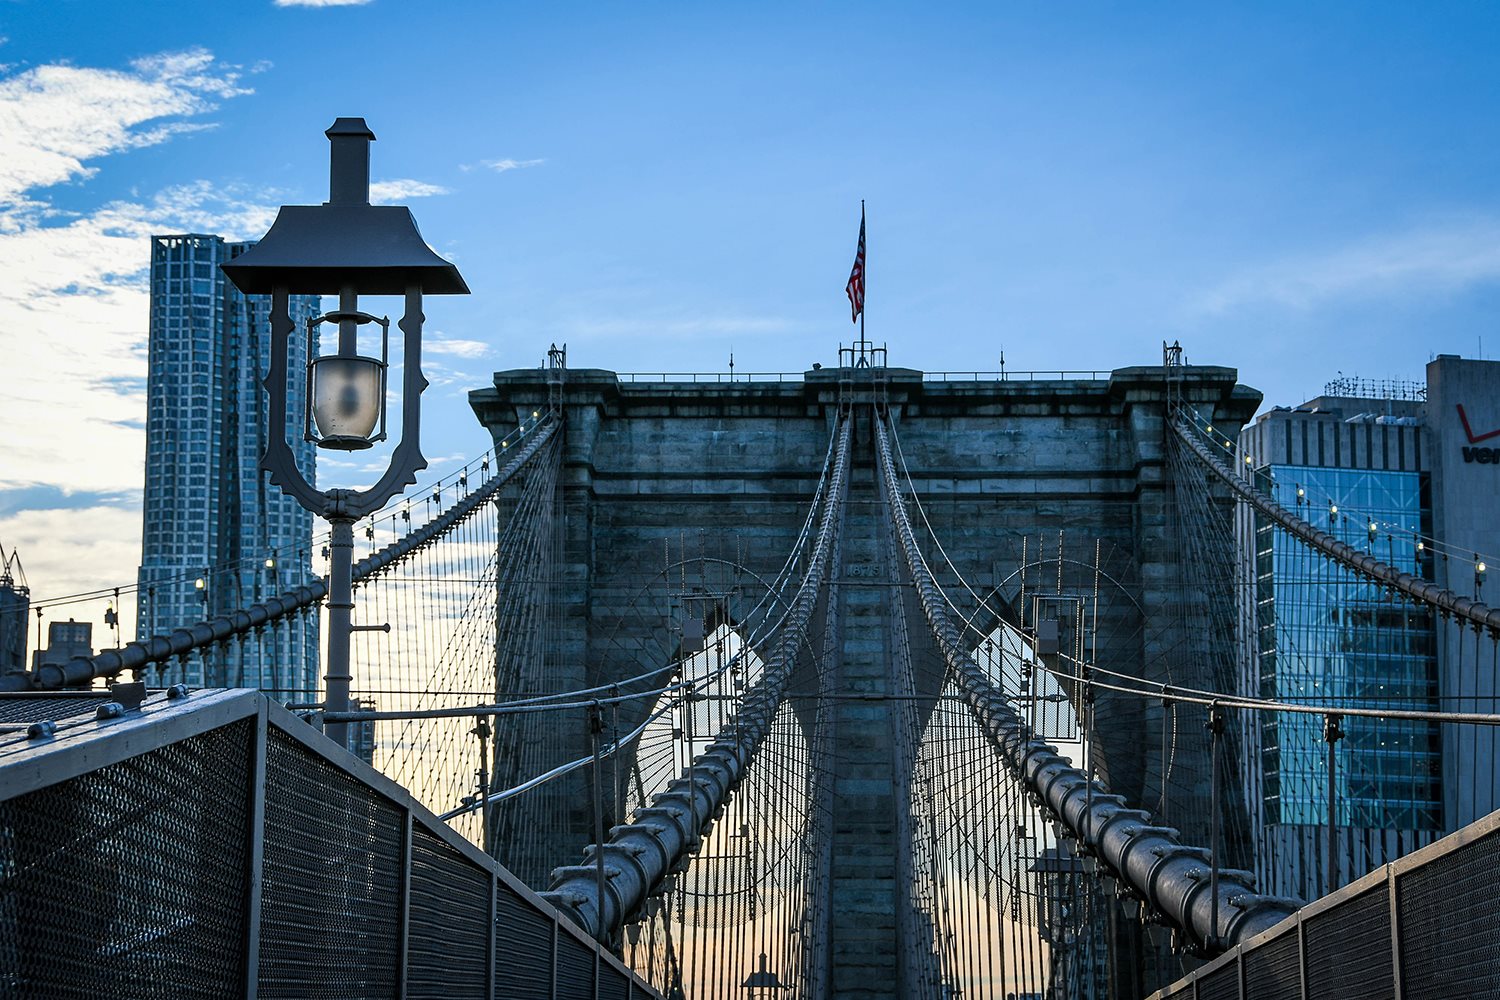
pixel 1149 859
pixel 141 653
pixel 640 854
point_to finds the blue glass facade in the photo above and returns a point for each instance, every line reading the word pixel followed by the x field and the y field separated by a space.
pixel 208 511
pixel 1326 637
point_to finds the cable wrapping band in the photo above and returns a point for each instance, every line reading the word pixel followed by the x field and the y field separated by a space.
pixel 1171 878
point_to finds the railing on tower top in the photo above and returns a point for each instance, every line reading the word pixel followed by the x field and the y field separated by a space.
pixel 1006 375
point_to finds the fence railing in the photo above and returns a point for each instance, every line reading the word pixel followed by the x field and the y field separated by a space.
pixel 213 844
pixel 1007 375
pixel 957 376
pixel 1418 928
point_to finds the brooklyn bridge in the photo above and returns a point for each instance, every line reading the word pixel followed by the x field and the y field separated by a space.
pixel 856 682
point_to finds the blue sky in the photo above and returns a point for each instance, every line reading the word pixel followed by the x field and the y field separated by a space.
pixel 1292 191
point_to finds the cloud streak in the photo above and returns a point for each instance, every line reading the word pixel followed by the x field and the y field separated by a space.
pixel 501 166
pixel 1441 258
pixel 55 118
pixel 74 306
pixel 321 3
pixel 400 189
pixel 469 350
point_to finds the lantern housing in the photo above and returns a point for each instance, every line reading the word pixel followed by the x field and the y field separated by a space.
pixel 346 392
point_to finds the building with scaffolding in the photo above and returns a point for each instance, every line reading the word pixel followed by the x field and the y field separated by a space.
pixel 216 536
pixel 15 603
pixel 1394 470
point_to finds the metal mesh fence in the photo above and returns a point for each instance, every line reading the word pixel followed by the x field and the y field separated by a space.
pixel 1349 948
pixel 575 968
pixel 330 899
pixel 179 871
pixel 1276 969
pixel 1421 928
pixel 23 709
pixel 527 942
pixel 130 880
pixel 1221 984
pixel 1442 954
pixel 613 985
pixel 448 940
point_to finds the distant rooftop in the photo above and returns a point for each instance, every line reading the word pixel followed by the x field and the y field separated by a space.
pixel 1394 390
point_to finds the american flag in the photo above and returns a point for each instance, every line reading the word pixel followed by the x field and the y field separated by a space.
pixel 856 286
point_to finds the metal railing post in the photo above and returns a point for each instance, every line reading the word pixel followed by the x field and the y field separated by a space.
pixel 1332 734
pixel 1395 905
pixel 489 972
pixel 255 855
pixel 596 731
pixel 1216 731
pixel 404 917
pixel 556 930
pixel 1301 955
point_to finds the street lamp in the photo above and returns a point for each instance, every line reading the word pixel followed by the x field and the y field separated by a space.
pixel 345 247
pixel 763 979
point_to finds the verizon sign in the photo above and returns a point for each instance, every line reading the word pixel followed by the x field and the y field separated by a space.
pixel 1473 452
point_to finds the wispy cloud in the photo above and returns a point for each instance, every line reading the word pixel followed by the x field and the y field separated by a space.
pixel 55 118
pixel 76 549
pixel 321 3
pixel 78 389
pixel 469 350
pixel 1440 258
pixel 402 188
pixel 86 279
pixel 501 166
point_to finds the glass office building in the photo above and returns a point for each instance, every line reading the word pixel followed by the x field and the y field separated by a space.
pixel 1336 639
pixel 216 535
pixel 1323 636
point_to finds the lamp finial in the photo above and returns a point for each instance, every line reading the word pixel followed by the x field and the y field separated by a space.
pixel 349 161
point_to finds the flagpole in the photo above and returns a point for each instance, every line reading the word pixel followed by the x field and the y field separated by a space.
pixel 864 273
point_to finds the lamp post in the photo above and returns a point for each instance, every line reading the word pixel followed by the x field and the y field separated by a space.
pixel 345 247
pixel 763 981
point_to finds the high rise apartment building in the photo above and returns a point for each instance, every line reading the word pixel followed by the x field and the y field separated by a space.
pixel 217 536
pixel 1394 470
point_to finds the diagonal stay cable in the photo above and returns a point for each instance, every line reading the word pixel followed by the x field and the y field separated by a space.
pixel 1148 859
pixel 1474 612
pixel 640 854
pixel 178 642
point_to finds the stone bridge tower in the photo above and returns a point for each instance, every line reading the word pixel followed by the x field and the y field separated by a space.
pixel 1024 480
